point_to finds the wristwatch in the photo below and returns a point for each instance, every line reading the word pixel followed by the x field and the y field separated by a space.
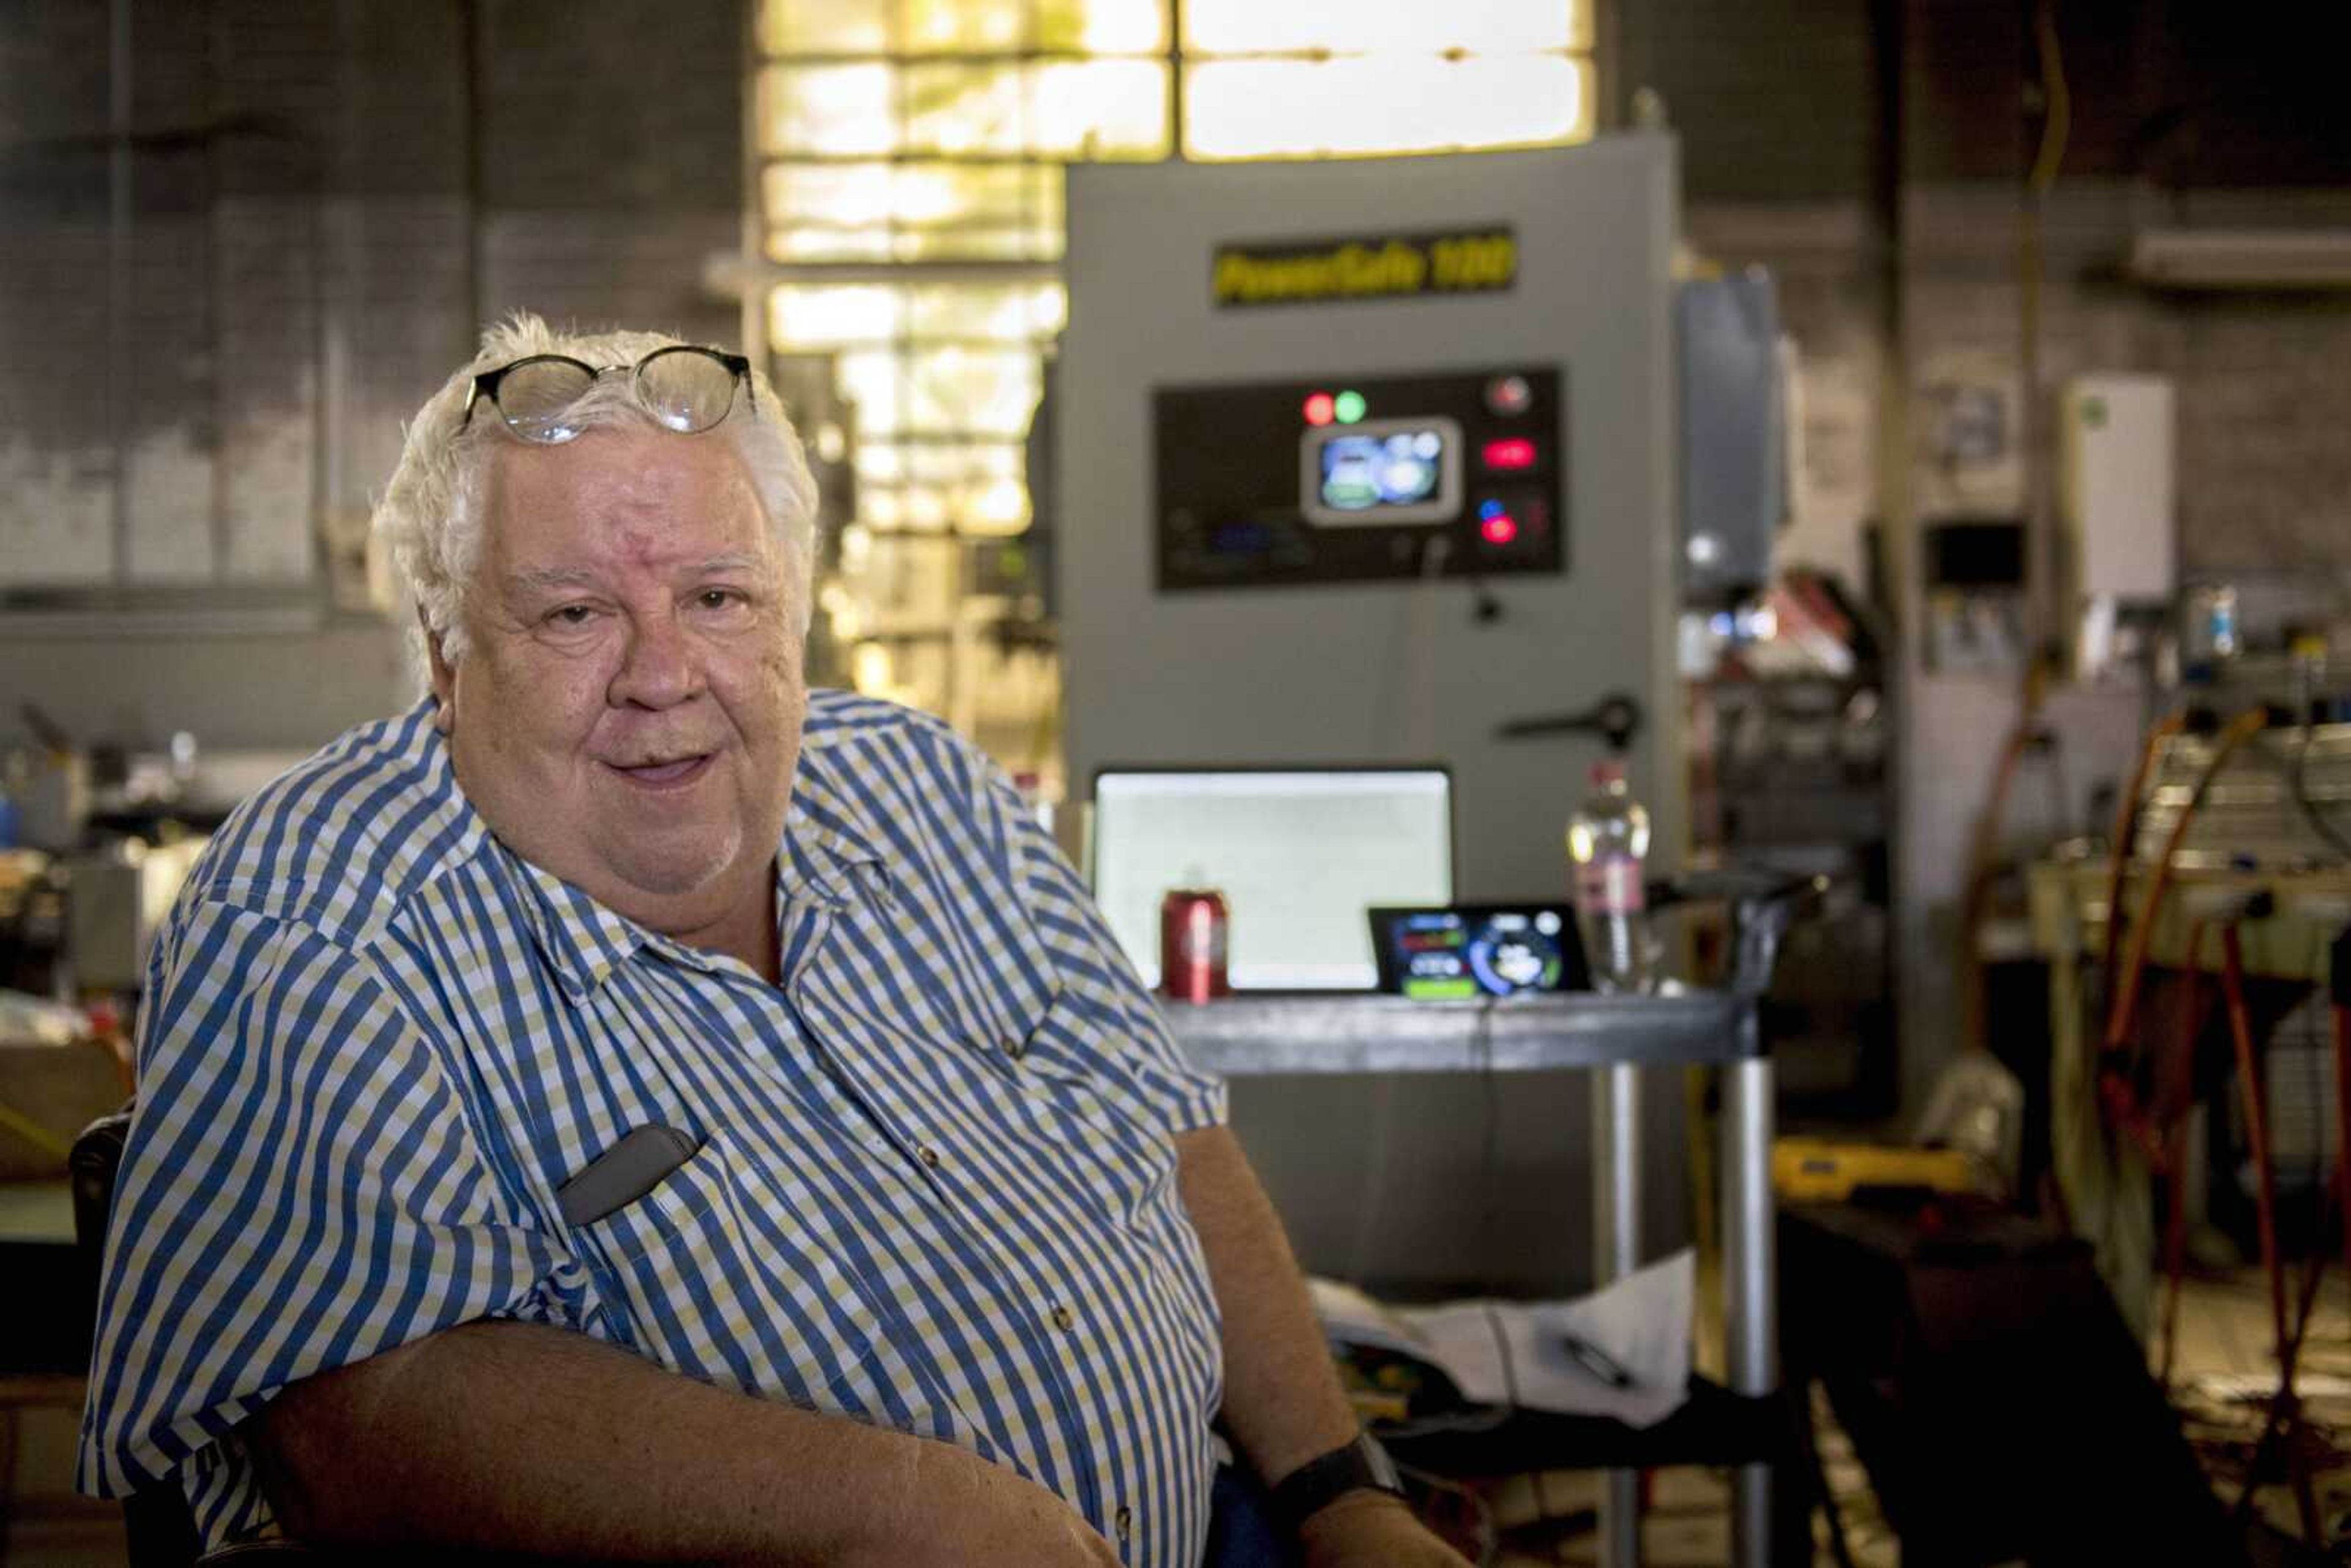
pixel 1361 1466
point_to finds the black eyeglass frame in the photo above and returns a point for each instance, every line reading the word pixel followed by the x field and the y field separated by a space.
pixel 486 385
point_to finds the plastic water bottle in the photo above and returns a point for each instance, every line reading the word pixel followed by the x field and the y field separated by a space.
pixel 1607 841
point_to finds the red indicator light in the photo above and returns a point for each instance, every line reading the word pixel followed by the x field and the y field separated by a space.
pixel 1320 409
pixel 1517 452
pixel 1500 530
pixel 1510 394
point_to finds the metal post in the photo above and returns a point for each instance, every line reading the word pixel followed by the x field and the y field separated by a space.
pixel 119 214
pixel 1616 1253
pixel 1750 1241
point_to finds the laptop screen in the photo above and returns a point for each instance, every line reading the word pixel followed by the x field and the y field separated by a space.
pixel 1300 855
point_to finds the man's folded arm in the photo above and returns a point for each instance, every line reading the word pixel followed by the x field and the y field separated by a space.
pixel 520 1437
pixel 1284 1403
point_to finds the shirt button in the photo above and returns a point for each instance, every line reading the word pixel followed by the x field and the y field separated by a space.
pixel 928 1155
pixel 1123 1522
pixel 1064 1320
pixel 1018 1048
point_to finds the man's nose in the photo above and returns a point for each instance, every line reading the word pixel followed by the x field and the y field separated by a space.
pixel 659 666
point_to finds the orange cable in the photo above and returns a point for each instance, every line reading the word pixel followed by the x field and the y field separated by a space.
pixel 2342 1042
pixel 2175 1152
pixel 2118 849
pixel 2240 1031
pixel 2249 1076
pixel 2123 1002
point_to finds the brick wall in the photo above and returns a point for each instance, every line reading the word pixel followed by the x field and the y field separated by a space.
pixel 2181 113
pixel 321 216
pixel 628 106
pixel 1773 99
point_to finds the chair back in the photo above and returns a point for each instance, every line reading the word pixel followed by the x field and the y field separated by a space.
pixel 162 1531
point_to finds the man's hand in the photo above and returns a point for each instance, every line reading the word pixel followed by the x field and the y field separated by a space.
pixel 1372 1530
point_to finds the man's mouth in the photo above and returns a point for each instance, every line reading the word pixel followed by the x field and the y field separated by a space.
pixel 664 770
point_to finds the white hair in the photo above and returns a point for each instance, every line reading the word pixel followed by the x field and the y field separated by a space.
pixel 430 516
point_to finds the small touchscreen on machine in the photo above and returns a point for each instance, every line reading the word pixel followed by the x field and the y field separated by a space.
pixel 1488 950
pixel 1382 471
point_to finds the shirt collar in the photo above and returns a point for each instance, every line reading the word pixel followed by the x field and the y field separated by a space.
pixel 580 939
pixel 834 852
pixel 830 855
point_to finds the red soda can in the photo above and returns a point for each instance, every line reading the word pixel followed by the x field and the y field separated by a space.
pixel 1192 928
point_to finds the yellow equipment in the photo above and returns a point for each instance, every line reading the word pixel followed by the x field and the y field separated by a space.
pixel 1814 1170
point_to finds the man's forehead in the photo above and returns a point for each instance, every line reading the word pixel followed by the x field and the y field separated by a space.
pixel 535 576
pixel 625 462
pixel 654 497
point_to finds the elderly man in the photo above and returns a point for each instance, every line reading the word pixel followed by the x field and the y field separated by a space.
pixel 633 1107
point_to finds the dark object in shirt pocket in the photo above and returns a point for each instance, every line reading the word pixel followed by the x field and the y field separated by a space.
pixel 624 1173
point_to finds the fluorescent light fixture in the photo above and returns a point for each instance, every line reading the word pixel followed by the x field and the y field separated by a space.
pixel 2242 258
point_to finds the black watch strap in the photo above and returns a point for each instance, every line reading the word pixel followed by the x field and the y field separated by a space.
pixel 1361 1464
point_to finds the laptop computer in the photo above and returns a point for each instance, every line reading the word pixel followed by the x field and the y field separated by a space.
pixel 1301 853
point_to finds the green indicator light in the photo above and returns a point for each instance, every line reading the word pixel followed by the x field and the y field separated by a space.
pixel 1441 991
pixel 1348 406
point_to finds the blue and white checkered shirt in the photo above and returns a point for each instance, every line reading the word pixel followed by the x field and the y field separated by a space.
pixel 935 1190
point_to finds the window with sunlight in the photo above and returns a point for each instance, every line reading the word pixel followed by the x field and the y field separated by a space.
pixel 910 217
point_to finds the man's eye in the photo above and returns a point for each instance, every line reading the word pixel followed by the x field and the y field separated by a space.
pixel 572 615
pixel 719 599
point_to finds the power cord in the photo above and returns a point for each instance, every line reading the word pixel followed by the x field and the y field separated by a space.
pixel 2279 1422
pixel 2298 785
pixel 1375 1165
pixel 1481 1050
pixel 1481 1053
pixel 2314 1042
pixel 1485 609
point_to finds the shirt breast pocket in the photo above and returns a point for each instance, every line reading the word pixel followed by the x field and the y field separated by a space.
pixel 1094 1135
pixel 666 1216
pixel 714 1275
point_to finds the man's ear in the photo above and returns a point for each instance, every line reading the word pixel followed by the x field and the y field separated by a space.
pixel 444 677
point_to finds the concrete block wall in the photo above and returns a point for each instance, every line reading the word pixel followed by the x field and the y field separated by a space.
pixel 52 86
pixel 2176 120
pixel 326 206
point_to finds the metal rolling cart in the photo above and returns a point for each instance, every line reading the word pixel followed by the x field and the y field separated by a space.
pixel 1613 1035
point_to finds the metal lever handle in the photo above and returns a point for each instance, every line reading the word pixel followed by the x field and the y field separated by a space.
pixel 1763 920
pixel 1615 719
pixel 1763 904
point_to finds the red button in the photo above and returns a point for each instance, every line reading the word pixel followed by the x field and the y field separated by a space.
pixel 1517 452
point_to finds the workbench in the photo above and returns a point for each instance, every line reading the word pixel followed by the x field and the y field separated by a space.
pixel 1615 1037
pixel 2108 1187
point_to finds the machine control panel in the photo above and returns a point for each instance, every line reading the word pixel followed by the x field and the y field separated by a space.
pixel 1360 478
